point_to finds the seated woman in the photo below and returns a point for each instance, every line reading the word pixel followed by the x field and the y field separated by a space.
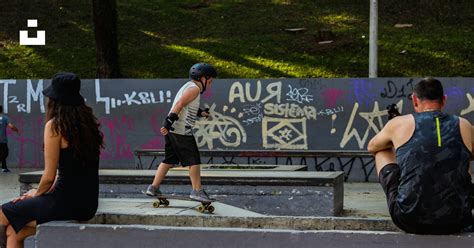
pixel 72 143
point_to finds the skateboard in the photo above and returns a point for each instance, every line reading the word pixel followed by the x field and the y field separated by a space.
pixel 163 201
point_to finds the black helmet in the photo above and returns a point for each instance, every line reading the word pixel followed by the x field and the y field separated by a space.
pixel 202 70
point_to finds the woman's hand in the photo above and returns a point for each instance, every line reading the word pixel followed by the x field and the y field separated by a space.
pixel 30 194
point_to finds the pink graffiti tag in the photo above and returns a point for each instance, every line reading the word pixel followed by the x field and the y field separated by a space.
pixel 29 142
pixel 157 141
pixel 331 95
pixel 115 136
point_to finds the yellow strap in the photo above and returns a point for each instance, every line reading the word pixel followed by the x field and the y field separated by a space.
pixel 438 131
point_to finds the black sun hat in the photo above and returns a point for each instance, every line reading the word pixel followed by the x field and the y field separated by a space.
pixel 64 88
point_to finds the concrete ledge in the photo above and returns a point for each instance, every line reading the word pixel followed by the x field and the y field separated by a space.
pixel 214 177
pixel 180 213
pixel 253 167
pixel 59 234
pixel 267 192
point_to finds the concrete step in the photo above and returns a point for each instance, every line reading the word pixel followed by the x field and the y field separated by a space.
pixel 57 234
pixel 181 213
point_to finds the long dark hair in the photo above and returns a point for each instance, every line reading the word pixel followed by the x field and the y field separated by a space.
pixel 79 126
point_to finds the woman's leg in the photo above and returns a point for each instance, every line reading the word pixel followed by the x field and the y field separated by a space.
pixel 17 240
pixel 3 218
pixel 3 229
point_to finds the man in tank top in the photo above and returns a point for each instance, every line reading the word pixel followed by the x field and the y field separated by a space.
pixel 422 161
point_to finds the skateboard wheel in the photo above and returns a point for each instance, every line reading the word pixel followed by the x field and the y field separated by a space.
pixel 156 204
pixel 201 209
pixel 210 209
pixel 166 203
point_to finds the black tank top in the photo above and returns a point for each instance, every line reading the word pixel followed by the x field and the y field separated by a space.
pixel 76 177
pixel 434 181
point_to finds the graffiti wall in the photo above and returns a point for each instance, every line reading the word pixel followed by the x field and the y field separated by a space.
pixel 257 114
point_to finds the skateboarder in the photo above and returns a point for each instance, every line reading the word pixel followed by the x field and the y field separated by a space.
pixel 180 144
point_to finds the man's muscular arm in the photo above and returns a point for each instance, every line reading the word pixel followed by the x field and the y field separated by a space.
pixel 383 140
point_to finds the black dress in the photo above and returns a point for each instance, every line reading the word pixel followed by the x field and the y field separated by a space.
pixel 75 195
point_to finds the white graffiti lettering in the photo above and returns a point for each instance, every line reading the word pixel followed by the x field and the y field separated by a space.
pixel 300 95
pixel 219 127
pixel 130 99
pixel 470 108
pixel 370 118
pixel 253 110
pixel 237 92
pixel 328 112
pixel 290 110
pixel 5 93
pixel 256 119
pixel 37 95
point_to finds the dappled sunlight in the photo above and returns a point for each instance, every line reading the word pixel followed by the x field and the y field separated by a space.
pixel 290 69
pixel 440 55
pixel 427 51
pixel 342 18
pixel 23 59
pixel 206 40
pixel 222 64
pixel 83 28
pixel 152 34
pixel 282 2
pixel 342 21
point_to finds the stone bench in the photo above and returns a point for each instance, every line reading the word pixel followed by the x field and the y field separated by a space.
pixel 262 191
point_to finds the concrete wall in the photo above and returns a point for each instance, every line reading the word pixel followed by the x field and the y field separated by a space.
pixel 252 114
pixel 80 235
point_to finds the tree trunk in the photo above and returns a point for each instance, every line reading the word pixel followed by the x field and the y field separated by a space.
pixel 104 15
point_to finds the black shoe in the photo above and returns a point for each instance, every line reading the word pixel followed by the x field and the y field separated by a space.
pixel 5 170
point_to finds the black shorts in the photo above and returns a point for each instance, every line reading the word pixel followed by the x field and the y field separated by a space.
pixel 390 180
pixel 181 150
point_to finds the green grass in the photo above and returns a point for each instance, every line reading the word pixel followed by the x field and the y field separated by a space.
pixel 244 38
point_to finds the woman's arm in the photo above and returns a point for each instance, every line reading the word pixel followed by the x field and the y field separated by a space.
pixel 52 146
pixel 51 189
